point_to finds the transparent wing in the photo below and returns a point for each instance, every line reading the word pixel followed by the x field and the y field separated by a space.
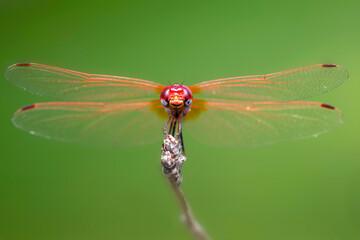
pixel 251 124
pixel 291 85
pixel 117 123
pixel 70 85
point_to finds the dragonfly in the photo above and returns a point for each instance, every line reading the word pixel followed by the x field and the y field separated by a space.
pixel 245 111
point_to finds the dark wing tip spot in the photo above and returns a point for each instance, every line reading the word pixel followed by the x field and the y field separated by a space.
pixel 23 64
pixel 329 65
pixel 28 107
pixel 327 106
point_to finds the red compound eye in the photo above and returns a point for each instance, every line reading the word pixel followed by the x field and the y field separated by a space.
pixel 165 93
pixel 187 92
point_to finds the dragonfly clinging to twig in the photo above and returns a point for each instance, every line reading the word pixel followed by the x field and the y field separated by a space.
pixel 241 111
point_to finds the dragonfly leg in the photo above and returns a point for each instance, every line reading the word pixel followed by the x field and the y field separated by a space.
pixel 179 133
pixel 167 124
pixel 180 123
pixel 171 126
pixel 179 126
pixel 182 143
pixel 174 127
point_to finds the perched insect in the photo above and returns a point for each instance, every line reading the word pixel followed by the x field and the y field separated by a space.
pixel 243 111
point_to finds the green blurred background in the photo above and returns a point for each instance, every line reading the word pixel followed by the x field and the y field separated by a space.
pixel 306 189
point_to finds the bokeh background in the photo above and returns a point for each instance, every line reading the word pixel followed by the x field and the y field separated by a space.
pixel 301 190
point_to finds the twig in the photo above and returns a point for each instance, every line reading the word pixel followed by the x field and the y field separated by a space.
pixel 172 160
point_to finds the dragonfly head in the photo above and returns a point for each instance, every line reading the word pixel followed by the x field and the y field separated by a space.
pixel 176 97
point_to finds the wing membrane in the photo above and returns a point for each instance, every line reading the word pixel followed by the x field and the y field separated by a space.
pixel 131 122
pixel 251 124
pixel 291 85
pixel 70 85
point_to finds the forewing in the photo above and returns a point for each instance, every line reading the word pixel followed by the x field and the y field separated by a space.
pixel 291 85
pixel 70 85
pixel 251 124
pixel 131 122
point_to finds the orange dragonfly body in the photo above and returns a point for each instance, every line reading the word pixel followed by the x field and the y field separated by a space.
pixel 241 111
